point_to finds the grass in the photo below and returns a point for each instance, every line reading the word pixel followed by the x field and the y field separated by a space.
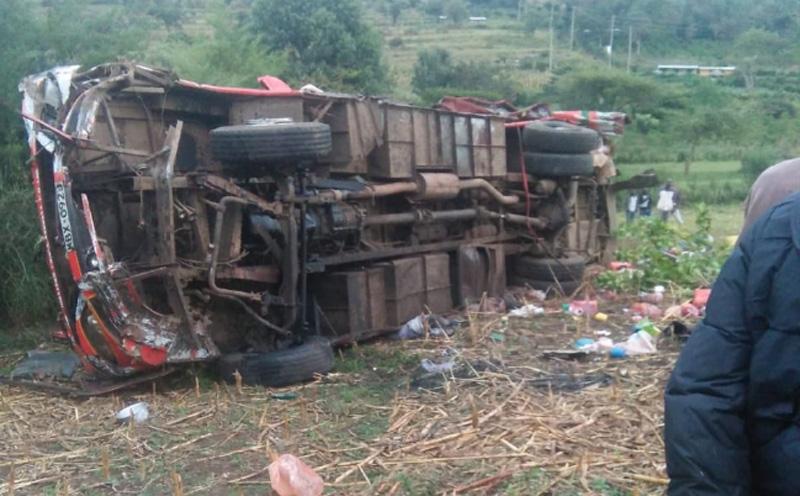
pixel 216 438
pixel 726 220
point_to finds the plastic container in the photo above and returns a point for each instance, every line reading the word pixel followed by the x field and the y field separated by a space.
pixel 639 343
pixel 648 327
pixel 289 476
pixel 617 352
pixel 137 413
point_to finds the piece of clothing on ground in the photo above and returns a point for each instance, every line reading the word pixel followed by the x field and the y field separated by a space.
pixel 772 186
pixel 731 405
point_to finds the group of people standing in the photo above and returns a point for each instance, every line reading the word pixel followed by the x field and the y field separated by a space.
pixel 640 203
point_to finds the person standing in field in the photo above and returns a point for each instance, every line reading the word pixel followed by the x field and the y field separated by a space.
pixel 668 203
pixel 645 203
pixel 632 207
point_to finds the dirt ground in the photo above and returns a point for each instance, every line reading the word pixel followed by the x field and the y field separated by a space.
pixel 507 419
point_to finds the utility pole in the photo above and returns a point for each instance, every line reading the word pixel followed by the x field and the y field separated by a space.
pixel 630 47
pixel 550 61
pixel 572 31
pixel 611 42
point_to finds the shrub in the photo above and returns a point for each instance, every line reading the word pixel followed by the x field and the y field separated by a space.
pixel 26 294
pixel 666 254
pixel 754 161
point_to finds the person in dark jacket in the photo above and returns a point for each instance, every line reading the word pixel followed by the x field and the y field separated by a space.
pixel 645 203
pixel 732 416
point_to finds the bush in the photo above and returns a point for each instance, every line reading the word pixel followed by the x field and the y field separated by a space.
pixel 665 254
pixel 26 293
pixel 436 70
pixel 756 160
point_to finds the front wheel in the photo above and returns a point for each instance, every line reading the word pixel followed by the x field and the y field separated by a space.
pixel 279 368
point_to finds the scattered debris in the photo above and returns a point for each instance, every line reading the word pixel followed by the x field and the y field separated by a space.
pixel 678 330
pixel 566 354
pixel 289 476
pixel 646 310
pixel 686 310
pixel 525 294
pixel 617 266
pixel 432 367
pixel 571 383
pixel 583 307
pixel 284 395
pixel 491 304
pixel 602 345
pixel 529 310
pixel 601 317
pixel 446 365
pixel 501 408
pixel 655 297
pixel 427 325
pixel 137 413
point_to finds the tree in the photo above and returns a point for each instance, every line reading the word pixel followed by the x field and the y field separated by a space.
pixel 608 89
pixel 436 74
pixel 757 48
pixel 456 11
pixel 433 7
pixel 703 125
pixel 229 55
pixel 76 33
pixel 327 42
pixel 434 68
pixel 395 9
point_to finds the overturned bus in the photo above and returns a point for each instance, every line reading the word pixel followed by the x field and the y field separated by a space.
pixel 185 222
